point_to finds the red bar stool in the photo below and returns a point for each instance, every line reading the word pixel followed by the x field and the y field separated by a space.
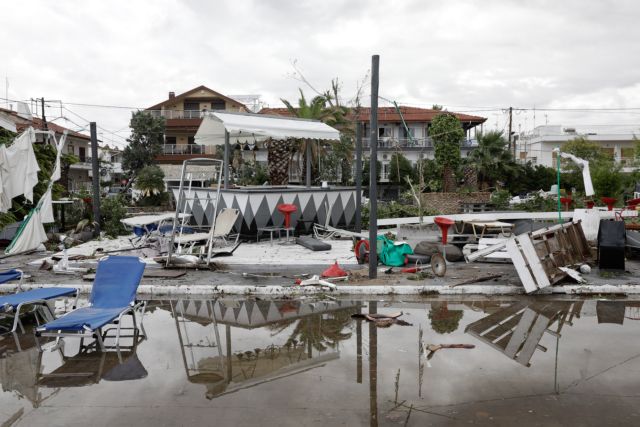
pixel 444 224
pixel 609 201
pixel 287 209
pixel 566 201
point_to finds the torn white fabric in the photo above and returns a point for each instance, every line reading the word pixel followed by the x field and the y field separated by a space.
pixel 32 233
pixel 18 169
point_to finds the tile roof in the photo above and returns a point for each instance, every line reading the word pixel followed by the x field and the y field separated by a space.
pixel 37 123
pixel 186 94
pixel 389 114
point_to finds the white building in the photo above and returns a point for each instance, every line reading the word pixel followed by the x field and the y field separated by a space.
pixel 616 141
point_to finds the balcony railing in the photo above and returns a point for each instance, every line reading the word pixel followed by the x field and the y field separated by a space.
pixel 187 149
pixel 178 114
pixel 387 142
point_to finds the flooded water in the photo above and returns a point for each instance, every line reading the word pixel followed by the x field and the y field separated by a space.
pixel 308 362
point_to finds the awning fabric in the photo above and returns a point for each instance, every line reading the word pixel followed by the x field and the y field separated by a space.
pixel 239 125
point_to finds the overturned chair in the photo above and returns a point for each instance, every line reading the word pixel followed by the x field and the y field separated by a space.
pixel 112 297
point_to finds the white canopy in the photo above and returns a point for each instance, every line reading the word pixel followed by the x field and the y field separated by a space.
pixel 211 131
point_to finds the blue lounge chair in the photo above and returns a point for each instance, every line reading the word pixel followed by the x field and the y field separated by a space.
pixel 7 276
pixel 113 295
pixel 12 305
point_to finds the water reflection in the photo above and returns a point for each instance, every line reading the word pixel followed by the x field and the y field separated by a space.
pixel 302 336
pixel 308 357
pixel 516 331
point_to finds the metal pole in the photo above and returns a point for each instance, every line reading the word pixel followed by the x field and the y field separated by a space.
pixel 558 181
pixel 358 177
pixel 96 176
pixel 514 143
pixel 373 175
pixel 373 367
pixel 308 161
pixel 226 159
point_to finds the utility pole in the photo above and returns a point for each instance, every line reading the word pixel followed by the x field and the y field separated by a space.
pixel 359 177
pixel 96 176
pixel 44 118
pixel 373 173
pixel 514 144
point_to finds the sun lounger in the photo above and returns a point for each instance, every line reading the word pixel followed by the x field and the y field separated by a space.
pixel 9 275
pixel 113 295
pixel 12 305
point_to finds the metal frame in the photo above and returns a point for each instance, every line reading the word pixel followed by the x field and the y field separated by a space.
pixel 182 199
pixel 37 302
pixel 100 334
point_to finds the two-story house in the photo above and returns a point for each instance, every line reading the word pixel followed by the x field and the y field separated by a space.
pixel 406 132
pixel 183 114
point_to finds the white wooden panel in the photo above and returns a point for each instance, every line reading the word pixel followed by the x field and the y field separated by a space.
pixel 521 267
pixel 531 256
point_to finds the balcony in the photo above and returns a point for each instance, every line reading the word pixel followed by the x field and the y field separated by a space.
pixel 187 149
pixel 406 143
pixel 178 114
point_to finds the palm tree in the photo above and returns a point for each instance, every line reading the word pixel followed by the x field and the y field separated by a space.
pixel 492 160
pixel 326 108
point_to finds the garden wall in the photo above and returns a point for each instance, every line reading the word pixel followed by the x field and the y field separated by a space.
pixel 450 203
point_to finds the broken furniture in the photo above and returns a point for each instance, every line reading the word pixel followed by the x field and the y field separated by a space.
pixel 271 229
pixel 538 256
pixel 611 244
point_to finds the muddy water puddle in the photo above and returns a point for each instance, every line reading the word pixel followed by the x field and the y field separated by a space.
pixel 307 362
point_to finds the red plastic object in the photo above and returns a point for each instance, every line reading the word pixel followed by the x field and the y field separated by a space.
pixel 444 224
pixel 334 271
pixel 287 209
pixel 590 204
pixel 566 201
pixel 633 204
pixel 609 201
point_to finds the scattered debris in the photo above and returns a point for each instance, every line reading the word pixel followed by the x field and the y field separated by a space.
pixel 431 349
pixel 477 280
pixel 382 320
pixel 334 271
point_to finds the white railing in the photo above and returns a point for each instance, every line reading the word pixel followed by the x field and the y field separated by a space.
pixel 386 142
pixel 178 114
pixel 186 149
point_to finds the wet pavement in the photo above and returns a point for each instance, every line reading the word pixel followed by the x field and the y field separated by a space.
pixel 229 361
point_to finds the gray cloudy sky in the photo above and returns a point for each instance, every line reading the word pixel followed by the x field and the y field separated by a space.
pixel 467 55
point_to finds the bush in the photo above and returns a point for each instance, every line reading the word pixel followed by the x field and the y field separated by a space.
pixel 500 198
pixel 392 210
pixel 112 211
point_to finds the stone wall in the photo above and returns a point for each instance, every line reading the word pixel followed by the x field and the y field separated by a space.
pixel 450 203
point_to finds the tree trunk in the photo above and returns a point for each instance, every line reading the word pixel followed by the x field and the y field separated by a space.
pixel 448 180
pixel 278 158
pixel 470 178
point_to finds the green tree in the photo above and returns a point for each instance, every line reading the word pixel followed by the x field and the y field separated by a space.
pixel 326 108
pixel 150 182
pixel 145 143
pixel 365 172
pixel 527 178
pixel 447 134
pixel 400 168
pixel 607 180
pixel 431 175
pixel 584 149
pixel 492 159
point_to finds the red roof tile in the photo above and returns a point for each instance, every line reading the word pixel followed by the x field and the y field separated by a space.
pixel 389 114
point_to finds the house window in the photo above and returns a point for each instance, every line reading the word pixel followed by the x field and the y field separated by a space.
pixel 384 132
pixel 170 140
pixel 192 106
pixel 218 104
pixel 191 140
